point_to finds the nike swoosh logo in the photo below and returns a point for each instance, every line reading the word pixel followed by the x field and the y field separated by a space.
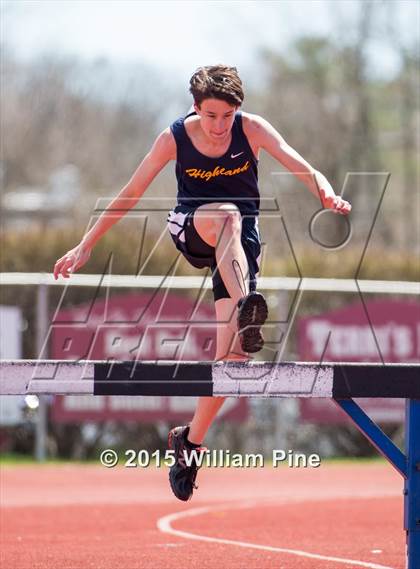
pixel 236 155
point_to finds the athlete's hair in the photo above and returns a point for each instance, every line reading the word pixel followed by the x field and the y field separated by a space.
pixel 217 82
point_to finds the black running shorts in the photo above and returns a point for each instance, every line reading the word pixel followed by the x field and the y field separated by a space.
pixel 199 254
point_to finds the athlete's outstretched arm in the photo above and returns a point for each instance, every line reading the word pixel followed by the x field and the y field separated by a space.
pixel 267 137
pixel 162 151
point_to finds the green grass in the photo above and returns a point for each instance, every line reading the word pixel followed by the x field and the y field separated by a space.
pixel 12 459
pixel 336 460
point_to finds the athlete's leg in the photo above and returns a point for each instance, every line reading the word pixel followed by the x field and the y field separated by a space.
pixel 220 226
pixel 221 231
pixel 228 348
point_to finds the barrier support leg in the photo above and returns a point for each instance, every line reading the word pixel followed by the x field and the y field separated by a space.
pixel 412 483
pixel 375 435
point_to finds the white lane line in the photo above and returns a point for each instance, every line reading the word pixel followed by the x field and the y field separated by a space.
pixel 164 524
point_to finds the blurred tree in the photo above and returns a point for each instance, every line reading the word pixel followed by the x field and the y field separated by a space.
pixel 325 99
pixel 407 87
pixel 320 94
pixel 53 114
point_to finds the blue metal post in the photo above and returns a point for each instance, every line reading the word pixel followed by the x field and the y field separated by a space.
pixel 412 483
pixel 375 435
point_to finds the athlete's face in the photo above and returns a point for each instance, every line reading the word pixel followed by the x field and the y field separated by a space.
pixel 216 118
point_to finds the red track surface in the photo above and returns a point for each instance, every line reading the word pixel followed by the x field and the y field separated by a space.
pixel 82 517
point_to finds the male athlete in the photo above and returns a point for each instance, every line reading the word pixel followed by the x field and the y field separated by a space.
pixel 215 224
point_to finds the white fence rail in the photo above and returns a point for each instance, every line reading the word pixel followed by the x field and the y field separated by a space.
pixel 264 283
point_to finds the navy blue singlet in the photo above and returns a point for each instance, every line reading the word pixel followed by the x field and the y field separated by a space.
pixel 232 177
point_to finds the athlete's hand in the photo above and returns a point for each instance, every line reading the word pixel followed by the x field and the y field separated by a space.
pixel 72 261
pixel 336 203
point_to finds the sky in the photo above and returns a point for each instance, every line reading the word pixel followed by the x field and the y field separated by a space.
pixel 176 37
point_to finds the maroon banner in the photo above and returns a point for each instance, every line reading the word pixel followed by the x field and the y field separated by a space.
pixel 326 412
pixel 145 326
pixel 384 330
pixel 95 408
pixel 389 329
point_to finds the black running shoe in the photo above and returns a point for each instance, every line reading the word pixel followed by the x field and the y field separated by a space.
pixel 182 477
pixel 252 313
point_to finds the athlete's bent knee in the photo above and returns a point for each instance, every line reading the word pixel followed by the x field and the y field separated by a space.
pixel 228 216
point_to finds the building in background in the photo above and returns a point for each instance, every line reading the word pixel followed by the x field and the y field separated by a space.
pixel 11 407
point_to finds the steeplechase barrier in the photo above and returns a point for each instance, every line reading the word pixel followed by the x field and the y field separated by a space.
pixel 342 382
